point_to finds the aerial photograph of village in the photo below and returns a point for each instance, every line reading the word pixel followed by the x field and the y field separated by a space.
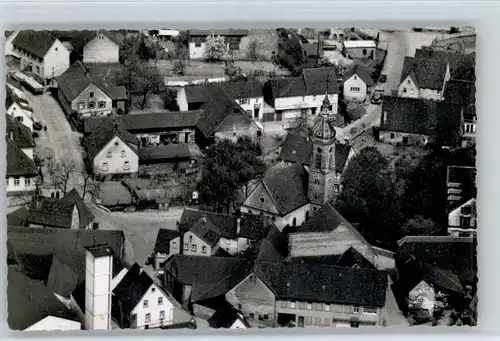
pixel 241 178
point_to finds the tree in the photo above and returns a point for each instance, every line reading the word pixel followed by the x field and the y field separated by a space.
pixel 253 49
pixel 90 185
pixel 419 226
pixel 146 81
pixel 228 167
pixel 61 172
pixel 170 100
pixel 216 48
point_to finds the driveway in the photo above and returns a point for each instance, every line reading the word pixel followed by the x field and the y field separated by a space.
pixel 140 228
pixel 59 140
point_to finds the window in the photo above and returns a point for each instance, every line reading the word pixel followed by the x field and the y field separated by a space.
pixel 7 182
pixel 81 105
pixel 262 200
pixel 327 307
pixel 197 44
pixel 57 49
pixel 153 289
pixel 160 300
pixel 204 249
pixel 355 77
pixel 245 101
pixel 91 95
pixel 326 322
pixel 109 154
pixel 337 175
pixel 145 304
pixel 91 105
pixel 186 246
pixel 284 304
pixel 174 245
pixel 355 88
pixel 249 112
pixel 404 90
pixel 279 116
pixel 102 104
pixel 309 320
pixel 105 166
pixel 465 221
pixel 126 165
pixel 317 321
pixel 355 309
pixel 318 161
pixel 392 135
pixel 266 317
pixel 370 310
pixel 316 181
pixel 16 181
pixel 19 118
pixel 412 91
pixel 227 242
pixel 302 305
pixel 251 315
pixel 261 318
pixel 292 305
pixel 38 69
pixel 162 314
pixel 148 318
pixel 309 306
pixel 337 188
pixel 315 209
pixel 409 81
pixel 27 182
pixel 318 306
pixel 193 248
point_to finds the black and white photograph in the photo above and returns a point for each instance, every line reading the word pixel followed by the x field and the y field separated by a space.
pixel 282 177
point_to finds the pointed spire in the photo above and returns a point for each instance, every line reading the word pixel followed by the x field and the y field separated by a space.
pixel 326 103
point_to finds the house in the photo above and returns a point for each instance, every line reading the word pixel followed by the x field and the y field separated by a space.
pixel 18 108
pixel 463 93
pixel 41 53
pixel 198 38
pixel 205 233
pixel 327 233
pixel 33 307
pixel 229 318
pixel 462 221
pixel 271 294
pixel 21 174
pixel 103 48
pixel 247 94
pixel 21 135
pixel 180 157
pixel 296 97
pixel 360 49
pixel 82 94
pixel 425 75
pixel 415 121
pixel 461 184
pixel 10 57
pixel 357 84
pixel 111 149
pixel 68 212
pixel 289 194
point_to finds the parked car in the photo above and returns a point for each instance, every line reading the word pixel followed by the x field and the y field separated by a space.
pixel 376 98
pixel 383 79
pixel 37 125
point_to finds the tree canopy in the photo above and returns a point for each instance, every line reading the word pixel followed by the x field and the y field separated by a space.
pixel 216 48
pixel 229 167
pixel 420 226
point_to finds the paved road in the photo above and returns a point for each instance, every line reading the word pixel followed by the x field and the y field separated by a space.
pixel 368 120
pixel 140 228
pixel 59 139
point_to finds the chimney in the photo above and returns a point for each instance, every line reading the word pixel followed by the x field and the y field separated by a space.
pixel 238 226
pixel 11 135
pixel 99 272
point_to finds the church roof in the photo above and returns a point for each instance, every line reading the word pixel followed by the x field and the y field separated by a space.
pixel 323 129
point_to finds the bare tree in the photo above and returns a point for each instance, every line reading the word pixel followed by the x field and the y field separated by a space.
pixel 61 172
pixel 91 185
pixel 253 49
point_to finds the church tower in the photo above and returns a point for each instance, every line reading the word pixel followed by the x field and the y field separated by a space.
pixel 322 168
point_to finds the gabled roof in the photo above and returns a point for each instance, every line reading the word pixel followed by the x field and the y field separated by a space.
pixel 36 42
pixel 107 34
pixel 274 247
pixel 324 283
pixel 221 224
pixel 86 217
pixel 21 134
pixel 77 78
pixel 104 133
pixel 225 318
pixel 288 188
pixel 236 90
pixel 445 252
pixel 30 301
pixel 18 217
pixel 318 79
pixel 11 97
pixel 206 231
pixel 163 239
pixel 131 288
pixel 18 163
pixel 440 120
pixel 360 71
pixel 351 257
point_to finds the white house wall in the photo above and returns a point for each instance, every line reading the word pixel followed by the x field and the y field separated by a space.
pixel 115 164
pixel 22 187
pixel 259 101
pixel 101 49
pixel 55 323
pixel 56 60
pixel 305 102
pixel 355 82
pixel 153 308
pixel 182 100
pixel 15 111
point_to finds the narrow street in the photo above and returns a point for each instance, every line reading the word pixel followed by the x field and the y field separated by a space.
pixel 368 120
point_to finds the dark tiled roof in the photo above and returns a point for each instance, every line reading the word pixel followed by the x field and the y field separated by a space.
pixel 361 72
pixel 286 87
pixel 236 90
pixel 206 231
pixel 18 163
pixel 253 227
pixel 21 134
pixel 169 152
pixel 324 283
pixel 274 247
pixel 448 253
pixel 440 120
pixel 223 225
pixel 413 272
pixel 106 131
pixel 408 64
pixel 317 79
pixel 66 271
pixel 328 259
pixel 461 93
pixel 131 288
pixel 86 217
pixel 352 257
pixel 77 78
pixel 225 318
pixel 163 240
pixel 36 42
pixel 219 32
pixel 11 97
pixel 288 188
pixel 18 217
pixel 30 301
